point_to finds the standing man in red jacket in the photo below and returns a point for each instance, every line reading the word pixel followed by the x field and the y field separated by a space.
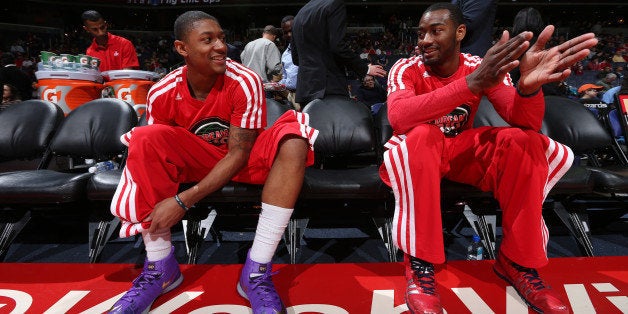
pixel 432 100
pixel 114 52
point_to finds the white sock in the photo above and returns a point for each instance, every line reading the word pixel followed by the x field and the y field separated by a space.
pixel 270 228
pixel 158 244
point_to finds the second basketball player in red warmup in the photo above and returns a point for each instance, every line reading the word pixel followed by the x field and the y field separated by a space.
pixel 432 99
pixel 206 124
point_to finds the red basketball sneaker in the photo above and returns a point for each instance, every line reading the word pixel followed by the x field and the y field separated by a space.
pixel 421 295
pixel 530 287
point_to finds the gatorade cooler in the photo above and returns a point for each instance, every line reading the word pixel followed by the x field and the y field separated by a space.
pixel 131 85
pixel 68 89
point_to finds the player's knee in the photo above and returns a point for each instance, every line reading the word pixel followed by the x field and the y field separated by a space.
pixel 524 139
pixel 425 143
pixel 152 134
pixel 293 147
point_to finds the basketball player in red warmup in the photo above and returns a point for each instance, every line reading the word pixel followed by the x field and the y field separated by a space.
pixel 206 124
pixel 432 100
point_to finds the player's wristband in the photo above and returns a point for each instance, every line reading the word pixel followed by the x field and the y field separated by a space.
pixel 180 202
pixel 528 95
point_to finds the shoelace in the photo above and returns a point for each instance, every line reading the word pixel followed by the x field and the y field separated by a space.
pixel 263 285
pixel 146 279
pixel 531 276
pixel 425 276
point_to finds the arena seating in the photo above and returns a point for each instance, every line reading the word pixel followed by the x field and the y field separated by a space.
pixel 345 176
pixel 344 179
pixel 91 131
pixel 599 164
pixel 568 122
pixel 25 132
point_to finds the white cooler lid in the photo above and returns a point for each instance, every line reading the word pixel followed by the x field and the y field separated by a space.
pixel 129 74
pixel 68 75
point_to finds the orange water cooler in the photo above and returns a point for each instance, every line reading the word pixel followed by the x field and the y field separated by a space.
pixel 68 89
pixel 131 86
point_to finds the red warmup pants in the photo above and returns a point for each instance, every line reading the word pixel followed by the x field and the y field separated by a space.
pixel 519 166
pixel 162 156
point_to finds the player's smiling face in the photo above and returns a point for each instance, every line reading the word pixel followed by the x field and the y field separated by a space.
pixel 204 48
pixel 437 37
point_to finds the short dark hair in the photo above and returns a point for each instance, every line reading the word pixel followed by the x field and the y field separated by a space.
pixel 455 14
pixel 91 15
pixel 287 19
pixel 185 22
pixel 528 19
pixel 270 29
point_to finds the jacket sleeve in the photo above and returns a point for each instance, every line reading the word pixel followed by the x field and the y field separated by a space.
pixel 274 58
pixel 340 48
pixel 524 112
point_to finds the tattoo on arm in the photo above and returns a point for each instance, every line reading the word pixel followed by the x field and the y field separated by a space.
pixel 242 139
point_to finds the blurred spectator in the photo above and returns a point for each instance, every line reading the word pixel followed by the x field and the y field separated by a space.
pixel 11 74
pixel 115 52
pixel 275 89
pixel 27 63
pixel 479 17
pixel 619 71
pixel 605 70
pixel 594 64
pixel 17 47
pixel 609 96
pixel 322 52
pixel 234 50
pixel 607 82
pixel 619 55
pixel 577 68
pixel 290 70
pixel 527 19
pixel 530 19
pixel 159 69
pixel 262 55
pixel 10 95
pixel 589 94
pixel 397 40
pixel 370 92
pixel 365 54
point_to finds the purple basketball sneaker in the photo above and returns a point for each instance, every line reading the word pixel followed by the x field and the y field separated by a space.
pixel 156 279
pixel 256 285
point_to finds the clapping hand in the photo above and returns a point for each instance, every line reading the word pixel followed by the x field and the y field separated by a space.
pixel 498 61
pixel 541 65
